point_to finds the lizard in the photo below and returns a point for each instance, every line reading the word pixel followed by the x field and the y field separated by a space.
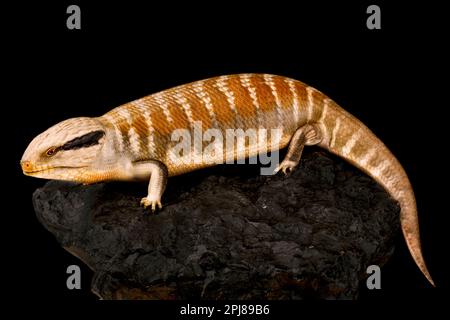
pixel 132 141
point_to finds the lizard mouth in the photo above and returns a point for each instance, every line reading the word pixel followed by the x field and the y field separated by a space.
pixel 34 171
pixel 43 170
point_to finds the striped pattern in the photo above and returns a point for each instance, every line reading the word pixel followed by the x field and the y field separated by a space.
pixel 143 125
pixel 269 80
pixel 160 99
pixel 309 104
pixel 119 139
pixel 221 84
pixel 204 97
pixel 246 83
pixel 335 132
pixel 181 99
pixel 368 157
pixel 295 104
pixel 350 144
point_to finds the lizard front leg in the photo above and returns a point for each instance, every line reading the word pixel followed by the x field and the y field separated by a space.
pixel 308 134
pixel 158 181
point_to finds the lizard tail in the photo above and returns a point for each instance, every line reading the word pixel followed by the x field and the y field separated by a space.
pixel 349 138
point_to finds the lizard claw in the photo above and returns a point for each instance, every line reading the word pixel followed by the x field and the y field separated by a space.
pixel 154 204
pixel 286 166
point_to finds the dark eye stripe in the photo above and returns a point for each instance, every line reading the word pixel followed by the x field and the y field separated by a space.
pixel 87 140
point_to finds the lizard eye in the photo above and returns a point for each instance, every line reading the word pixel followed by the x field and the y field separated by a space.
pixel 51 151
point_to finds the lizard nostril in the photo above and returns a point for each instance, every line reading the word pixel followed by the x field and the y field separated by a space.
pixel 26 165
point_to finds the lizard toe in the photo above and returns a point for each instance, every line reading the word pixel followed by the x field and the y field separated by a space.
pixel 286 166
pixel 154 204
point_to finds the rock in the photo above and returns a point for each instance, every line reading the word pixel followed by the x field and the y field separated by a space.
pixel 228 233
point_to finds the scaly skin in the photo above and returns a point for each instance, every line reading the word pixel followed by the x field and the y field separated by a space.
pixel 132 142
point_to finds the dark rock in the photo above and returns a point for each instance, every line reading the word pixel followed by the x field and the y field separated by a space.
pixel 228 233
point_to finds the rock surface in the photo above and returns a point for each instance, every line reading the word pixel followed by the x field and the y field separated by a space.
pixel 228 233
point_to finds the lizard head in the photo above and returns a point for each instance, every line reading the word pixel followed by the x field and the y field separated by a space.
pixel 65 150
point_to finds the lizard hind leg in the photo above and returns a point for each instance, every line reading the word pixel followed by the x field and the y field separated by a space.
pixel 308 135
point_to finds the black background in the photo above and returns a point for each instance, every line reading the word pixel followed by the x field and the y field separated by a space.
pixel 392 79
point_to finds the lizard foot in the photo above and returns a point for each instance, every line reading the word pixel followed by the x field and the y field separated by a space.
pixel 154 204
pixel 286 166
